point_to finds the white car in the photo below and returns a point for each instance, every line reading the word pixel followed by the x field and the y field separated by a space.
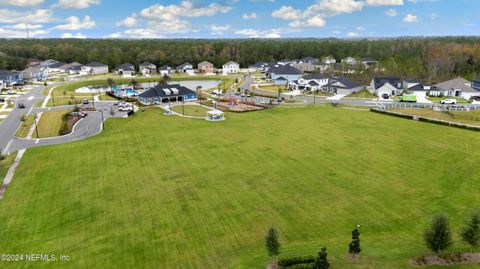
pixel 11 92
pixel 125 108
pixel 448 102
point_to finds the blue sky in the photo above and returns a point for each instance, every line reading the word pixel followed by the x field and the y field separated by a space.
pixel 237 18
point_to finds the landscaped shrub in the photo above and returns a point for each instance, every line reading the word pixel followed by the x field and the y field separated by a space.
pixel 289 262
pixel 302 266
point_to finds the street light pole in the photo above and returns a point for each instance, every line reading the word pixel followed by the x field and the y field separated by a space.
pixel 53 98
pixel 93 101
pixel 36 129
pixel 103 124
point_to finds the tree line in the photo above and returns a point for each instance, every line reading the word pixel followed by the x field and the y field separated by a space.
pixel 429 59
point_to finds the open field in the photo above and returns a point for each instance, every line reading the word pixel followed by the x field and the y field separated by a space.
pixel 50 123
pixel 22 132
pixel 5 165
pixel 471 117
pixel 157 191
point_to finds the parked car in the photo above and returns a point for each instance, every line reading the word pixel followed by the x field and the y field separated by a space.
pixel 11 92
pixel 21 105
pixel 85 101
pixel 79 114
pixel 125 108
pixel 448 101
pixel 385 96
pixel 2 100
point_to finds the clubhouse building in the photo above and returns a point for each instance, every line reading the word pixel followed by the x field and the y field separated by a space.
pixel 165 94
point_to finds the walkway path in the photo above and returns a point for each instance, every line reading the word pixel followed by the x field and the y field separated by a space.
pixel 11 173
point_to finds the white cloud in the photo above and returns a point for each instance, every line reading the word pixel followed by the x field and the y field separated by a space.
pixel 315 14
pixel 250 16
pixel 23 26
pixel 360 28
pixel 113 35
pixel 13 33
pixel 37 16
pixel 21 3
pixel 168 19
pixel 352 34
pixel 69 35
pixel 410 18
pixel 391 12
pixel 219 29
pixel 76 4
pixel 74 23
pixel 128 21
pixel 384 2
pixel 272 33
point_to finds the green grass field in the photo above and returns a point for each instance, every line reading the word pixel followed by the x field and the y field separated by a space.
pixel 156 191
pixel 50 123
pixel 22 132
pixel 471 117
pixel 191 110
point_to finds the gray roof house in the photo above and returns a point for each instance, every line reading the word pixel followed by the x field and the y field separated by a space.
pixel 165 94
pixel 386 85
pixel 283 74
pixel 341 85
pixel 9 78
pixel 147 68
pixel 126 70
pixel 458 87
pixel 94 68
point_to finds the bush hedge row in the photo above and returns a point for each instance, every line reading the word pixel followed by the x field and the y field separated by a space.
pixel 294 261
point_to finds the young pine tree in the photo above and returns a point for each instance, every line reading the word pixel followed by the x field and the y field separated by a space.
pixel 438 236
pixel 321 261
pixel 271 243
pixel 471 232
pixel 354 246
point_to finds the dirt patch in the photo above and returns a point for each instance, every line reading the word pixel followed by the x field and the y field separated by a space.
pixel 447 259
pixel 239 107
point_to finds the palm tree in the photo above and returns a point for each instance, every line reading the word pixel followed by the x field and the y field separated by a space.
pixel 110 83
pixel 164 79
pixel 197 90
pixel 134 84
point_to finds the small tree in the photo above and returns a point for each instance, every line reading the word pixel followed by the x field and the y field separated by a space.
pixel 164 79
pixel 354 246
pixel 23 118
pixel 321 261
pixel 271 243
pixel 110 83
pixel 471 232
pixel 438 236
pixel 2 157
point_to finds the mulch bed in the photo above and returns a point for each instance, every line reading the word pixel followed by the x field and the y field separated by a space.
pixel 447 259
pixel 240 107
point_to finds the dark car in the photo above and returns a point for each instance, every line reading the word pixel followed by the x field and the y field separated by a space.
pixel 79 114
pixel 2 100
pixel 85 101
pixel 385 96
pixel 21 105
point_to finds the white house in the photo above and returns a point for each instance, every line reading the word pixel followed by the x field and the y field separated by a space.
pixel 458 87
pixel 94 68
pixel 35 73
pixel 147 68
pixel 386 86
pixel 126 70
pixel 309 83
pixel 328 60
pixel 165 70
pixel 341 85
pixel 350 61
pixel 231 68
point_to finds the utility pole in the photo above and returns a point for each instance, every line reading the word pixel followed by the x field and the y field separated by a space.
pixel 36 129
pixel 53 99
pixel 93 101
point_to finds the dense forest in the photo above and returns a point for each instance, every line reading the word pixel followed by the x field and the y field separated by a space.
pixel 430 59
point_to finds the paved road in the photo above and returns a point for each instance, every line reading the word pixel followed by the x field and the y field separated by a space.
pixel 86 127
pixel 9 126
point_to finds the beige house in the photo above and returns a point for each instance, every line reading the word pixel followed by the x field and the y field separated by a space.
pixel 206 67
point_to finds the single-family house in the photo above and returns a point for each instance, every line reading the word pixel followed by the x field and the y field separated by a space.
pixel 74 70
pixel 368 62
pixel 258 66
pixel 126 70
pixel 10 78
pixel 284 62
pixel 57 67
pixel 283 74
pixel 231 68
pixel 341 85
pixel 147 68
pixel 185 68
pixel 48 62
pixel 305 66
pixel 416 87
pixel 328 60
pixel 206 67
pixel 349 60
pixel 390 86
pixel 165 94
pixel 94 68
pixel 476 84
pixel 309 60
pixel 458 87
pixel 165 70
pixel 33 61
pixel 309 83
pixel 35 73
